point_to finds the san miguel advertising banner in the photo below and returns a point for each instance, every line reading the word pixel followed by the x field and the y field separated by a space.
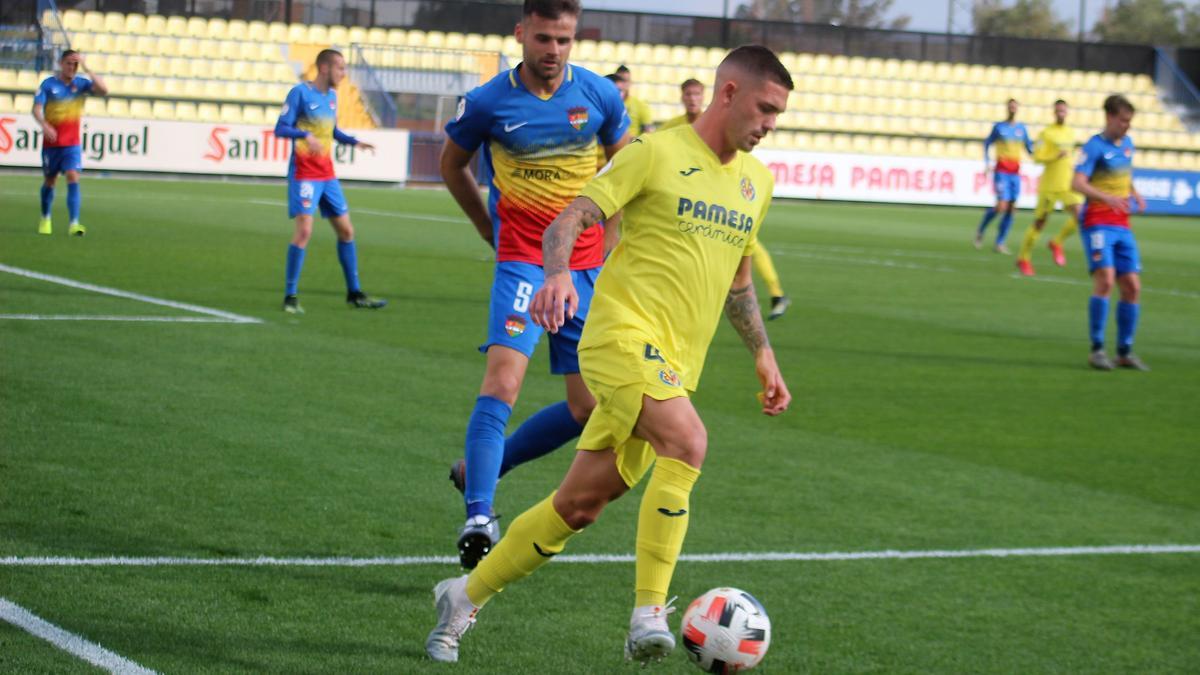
pixel 953 182
pixel 202 148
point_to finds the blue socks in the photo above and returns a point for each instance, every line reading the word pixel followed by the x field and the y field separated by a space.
pixel 47 200
pixel 1127 320
pixel 1097 318
pixel 73 201
pixel 987 219
pixel 1005 223
pixel 348 256
pixel 548 429
pixel 485 451
pixel 295 261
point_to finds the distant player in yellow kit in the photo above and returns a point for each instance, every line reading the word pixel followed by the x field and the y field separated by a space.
pixel 693 200
pixel 1055 149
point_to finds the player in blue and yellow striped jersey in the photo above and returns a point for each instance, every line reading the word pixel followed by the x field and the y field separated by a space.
pixel 1009 137
pixel 1105 176
pixel 58 108
pixel 539 126
pixel 693 202
pixel 309 118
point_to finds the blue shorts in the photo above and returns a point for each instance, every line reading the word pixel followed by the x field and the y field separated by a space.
pixel 61 160
pixel 1008 186
pixel 509 324
pixel 1111 246
pixel 305 195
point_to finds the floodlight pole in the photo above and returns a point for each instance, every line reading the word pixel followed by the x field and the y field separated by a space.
pixel 1082 17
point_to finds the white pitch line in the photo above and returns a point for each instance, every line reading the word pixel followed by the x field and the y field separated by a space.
pixel 603 558
pixel 69 642
pixel 115 292
pixel 116 317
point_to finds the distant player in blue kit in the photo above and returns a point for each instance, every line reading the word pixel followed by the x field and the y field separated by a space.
pixel 538 126
pixel 309 118
pixel 58 109
pixel 1009 137
pixel 1105 176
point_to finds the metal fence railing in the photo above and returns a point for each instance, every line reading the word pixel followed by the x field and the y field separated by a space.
pixel 1175 86
pixel 379 101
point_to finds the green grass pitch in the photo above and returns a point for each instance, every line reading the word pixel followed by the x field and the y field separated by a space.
pixel 941 403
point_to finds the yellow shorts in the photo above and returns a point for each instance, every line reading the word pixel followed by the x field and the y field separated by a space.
pixel 619 373
pixel 1047 201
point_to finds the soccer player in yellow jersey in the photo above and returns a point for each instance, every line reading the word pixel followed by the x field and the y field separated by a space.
pixel 641 120
pixel 692 97
pixel 693 201
pixel 1055 149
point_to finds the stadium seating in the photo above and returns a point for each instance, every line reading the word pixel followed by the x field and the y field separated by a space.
pixel 233 70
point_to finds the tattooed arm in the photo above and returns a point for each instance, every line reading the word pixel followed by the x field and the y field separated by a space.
pixel 557 299
pixel 741 306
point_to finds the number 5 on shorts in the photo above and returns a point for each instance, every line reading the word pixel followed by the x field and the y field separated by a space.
pixel 524 295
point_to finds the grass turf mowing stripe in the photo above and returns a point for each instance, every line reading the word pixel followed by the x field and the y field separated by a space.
pixel 67 641
pixel 602 558
pixel 115 292
pixel 116 317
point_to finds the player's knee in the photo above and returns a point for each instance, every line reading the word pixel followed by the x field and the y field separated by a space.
pixel 72 176
pixel 689 447
pixel 581 410
pixel 303 234
pixel 1131 288
pixel 345 231
pixel 580 510
pixel 502 385
pixel 50 181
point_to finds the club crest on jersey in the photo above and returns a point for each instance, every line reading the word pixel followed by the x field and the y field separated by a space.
pixel 514 325
pixel 748 189
pixel 578 117
pixel 668 377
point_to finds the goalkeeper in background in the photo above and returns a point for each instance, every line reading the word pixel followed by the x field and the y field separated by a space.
pixel 1054 149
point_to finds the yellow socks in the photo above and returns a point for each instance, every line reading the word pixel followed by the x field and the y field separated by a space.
pixel 766 269
pixel 1067 230
pixel 662 525
pixel 533 538
pixel 1031 237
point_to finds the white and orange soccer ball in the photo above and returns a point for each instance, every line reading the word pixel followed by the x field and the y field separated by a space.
pixel 726 630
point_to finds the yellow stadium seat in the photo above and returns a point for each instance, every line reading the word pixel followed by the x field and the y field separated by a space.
pixel 208 112
pixel 256 31
pixel 23 102
pixel 297 32
pixel 234 91
pixel 263 72
pixel 148 25
pixel 117 107
pixel 102 42
pixel 277 32
pixel 252 114
pixel 357 35
pixel 158 66
pixel 197 27
pixel 114 22
pixel 397 37
pixel 281 72
pixel 235 29
pixel 231 113
pixel 926 71
pixel 6 103
pixel 213 89
pixel 140 109
pixel 377 36
pixel 83 42
pixel 193 88
pixel 454 41
pixel 473 41
pixel 337 36
pixel 226 49
pixel 144 45
pixel 185 111
pixel 72 20
pixel 163 110
pixel 216 29
pixel 93 22
pixel 434 39
pixel 8 79
pixel 200 68
pixel 136 65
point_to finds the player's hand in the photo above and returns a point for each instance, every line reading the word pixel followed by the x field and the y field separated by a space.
pixel 363 145
pixel 774 396
pixel 314 144
pixel 1141 203
pixel 1116 203
pixel 50 133
pixel 555 302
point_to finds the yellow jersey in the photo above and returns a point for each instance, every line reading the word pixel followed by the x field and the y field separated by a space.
pixel 640 116
pixel 1056 150
pixel 687 222
pixel 674 122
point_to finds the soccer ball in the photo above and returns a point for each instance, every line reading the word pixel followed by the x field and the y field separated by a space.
pixel 726 631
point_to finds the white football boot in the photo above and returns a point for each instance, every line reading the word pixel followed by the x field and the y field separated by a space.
pixel 650 638
pixel 456 615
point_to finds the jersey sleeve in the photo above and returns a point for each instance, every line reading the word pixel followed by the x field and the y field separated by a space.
pixel 286 125
pixel 987 142
pixel 1028 140
pixel 40 97
pixel 83 85
pixel 752 240
pixel 622 179
pixel 616 120
pixel 1088 156
pixel 472 124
